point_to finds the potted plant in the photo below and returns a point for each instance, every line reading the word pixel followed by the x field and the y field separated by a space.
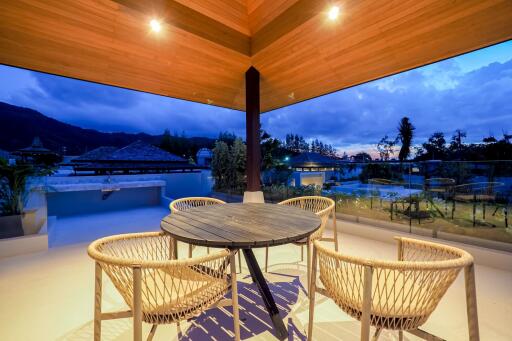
pixel 13 179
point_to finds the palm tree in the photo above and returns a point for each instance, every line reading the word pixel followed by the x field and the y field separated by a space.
pixel 405 134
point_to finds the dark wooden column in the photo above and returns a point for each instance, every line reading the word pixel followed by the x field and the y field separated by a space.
pixel 252 128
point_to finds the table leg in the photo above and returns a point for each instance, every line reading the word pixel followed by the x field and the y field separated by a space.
pixel 266 295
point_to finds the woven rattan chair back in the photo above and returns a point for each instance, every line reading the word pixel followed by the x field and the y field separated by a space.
pixel 185 204
pixel 172 290
pixel 403 293
pixel 321 206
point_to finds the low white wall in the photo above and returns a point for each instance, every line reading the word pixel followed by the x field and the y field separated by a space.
pixel 180 185
pixel 22 245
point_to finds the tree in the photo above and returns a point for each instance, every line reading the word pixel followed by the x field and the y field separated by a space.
pixel 227 137
pixel 405 134
pixel 361 157
pixel 457 144
pixel 228 165
pixel 435 147
pixel 166 141
pixel 238 157
pixel 386 148
pixel 269 150
pixel 221 164
pixel 489 139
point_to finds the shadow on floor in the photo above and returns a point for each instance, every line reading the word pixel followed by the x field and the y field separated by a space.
pixel 217 324
pixel 254 319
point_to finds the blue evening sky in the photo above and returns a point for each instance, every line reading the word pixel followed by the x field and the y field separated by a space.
pixel 472 92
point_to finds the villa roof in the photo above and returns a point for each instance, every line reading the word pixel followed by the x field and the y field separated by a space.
pixel 140 151
pixel 137 156
pixel 309 159
pixel 96 154
pixel 205 47
pixel 35 148
pixel 136 152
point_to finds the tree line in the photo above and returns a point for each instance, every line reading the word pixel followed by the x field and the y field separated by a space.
pixel 437 147
pixel 229 153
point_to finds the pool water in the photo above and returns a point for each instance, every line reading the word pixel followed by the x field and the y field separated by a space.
pixel 382 191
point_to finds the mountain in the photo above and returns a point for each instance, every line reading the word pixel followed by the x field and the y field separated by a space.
pixel 19 126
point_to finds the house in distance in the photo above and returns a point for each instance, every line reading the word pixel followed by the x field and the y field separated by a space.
pixel 138 157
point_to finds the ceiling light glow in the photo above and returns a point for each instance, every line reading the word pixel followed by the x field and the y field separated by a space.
pixel 334 12
pixel 155 25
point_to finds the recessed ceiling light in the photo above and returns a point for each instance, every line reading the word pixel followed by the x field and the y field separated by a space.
pixel 155 25
pixel 334 12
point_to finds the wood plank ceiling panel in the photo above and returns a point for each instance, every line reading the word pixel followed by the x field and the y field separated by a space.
pixel 104 42
pixel 373 39
pixel 206 46
pixel 232 13
pixel 262 12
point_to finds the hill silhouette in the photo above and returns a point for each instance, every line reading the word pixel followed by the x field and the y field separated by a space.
pixel 19 126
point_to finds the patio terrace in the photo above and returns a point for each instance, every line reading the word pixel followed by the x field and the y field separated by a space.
pixel 54 293
pixel 203 51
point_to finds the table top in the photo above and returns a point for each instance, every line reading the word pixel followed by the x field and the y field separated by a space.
pixel 241 225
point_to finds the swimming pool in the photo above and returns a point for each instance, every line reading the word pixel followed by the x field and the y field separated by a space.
pixel 382 191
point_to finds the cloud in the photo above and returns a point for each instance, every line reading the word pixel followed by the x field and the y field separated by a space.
pixel 439 97
pixel 470 92
pixel 108 108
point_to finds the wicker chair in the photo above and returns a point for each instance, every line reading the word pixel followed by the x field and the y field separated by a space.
pixel 185 204
pixel 157 288
pixel 397 295
pixel 322 207
pixel 376 184
pixel 474 193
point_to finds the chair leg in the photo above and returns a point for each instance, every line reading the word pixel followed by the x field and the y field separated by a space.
pixel 400 335
pixel 367 304
pixel 178 330
pixel 173 249
pixel 152 332
pixel 190 248
pixel 308 270
pixel 335 229
pixel 377 334
pixel 469 277
pixel 137 303
pixel 266 259
pixel 97 302
pixel 207 250
pixel 302 253
pixel 312 295
pixel 234 297
pixel 239 261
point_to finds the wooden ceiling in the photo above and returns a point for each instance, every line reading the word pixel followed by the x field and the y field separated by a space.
pixel 206 46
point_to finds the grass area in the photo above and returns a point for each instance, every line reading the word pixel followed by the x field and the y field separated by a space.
pixel 437 216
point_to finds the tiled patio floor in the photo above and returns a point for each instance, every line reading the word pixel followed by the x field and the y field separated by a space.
pixel 49 296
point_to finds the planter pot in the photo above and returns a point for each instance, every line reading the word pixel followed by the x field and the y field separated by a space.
pixel 11 226
pixel 31 223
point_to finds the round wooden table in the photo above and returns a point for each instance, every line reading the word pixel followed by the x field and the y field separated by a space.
pixel 244 226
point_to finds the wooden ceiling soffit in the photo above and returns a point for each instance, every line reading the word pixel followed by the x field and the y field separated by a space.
pixel 182 17
pixel 296 15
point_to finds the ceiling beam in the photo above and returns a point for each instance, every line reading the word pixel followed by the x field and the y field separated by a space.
pixel 296 15
pixel 175 14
